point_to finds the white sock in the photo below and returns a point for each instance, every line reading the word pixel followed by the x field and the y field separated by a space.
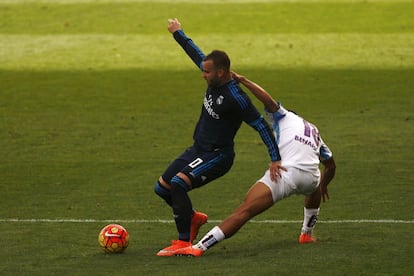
pixel 214 236
pixel 310 217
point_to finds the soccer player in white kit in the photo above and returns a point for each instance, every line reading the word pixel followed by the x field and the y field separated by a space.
pixel 302 150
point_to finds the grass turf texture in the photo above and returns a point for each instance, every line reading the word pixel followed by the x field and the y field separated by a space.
pixel 96 99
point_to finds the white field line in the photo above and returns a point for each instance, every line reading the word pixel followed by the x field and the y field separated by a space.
pixel 196 1
pixel 72 220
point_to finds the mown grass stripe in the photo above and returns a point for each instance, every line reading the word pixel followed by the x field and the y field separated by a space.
pixel 39 52
pixel 197 1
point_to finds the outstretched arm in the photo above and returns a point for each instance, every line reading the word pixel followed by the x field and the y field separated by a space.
pixel 259 92
pixel 275 166
pixel 192 50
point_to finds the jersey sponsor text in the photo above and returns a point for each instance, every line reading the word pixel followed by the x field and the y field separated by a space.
pixel 305 142
pixel 208 105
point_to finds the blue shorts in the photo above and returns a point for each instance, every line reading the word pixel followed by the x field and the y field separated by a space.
pixel 201 167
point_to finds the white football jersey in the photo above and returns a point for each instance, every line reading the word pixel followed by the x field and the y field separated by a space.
pixel 300 144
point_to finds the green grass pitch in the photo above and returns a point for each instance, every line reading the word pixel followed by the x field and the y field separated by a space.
pixel 96 99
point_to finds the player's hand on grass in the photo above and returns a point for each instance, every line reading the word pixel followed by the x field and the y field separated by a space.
pixel 174 25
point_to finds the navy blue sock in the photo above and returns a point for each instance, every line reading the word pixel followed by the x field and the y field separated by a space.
pixel 182 208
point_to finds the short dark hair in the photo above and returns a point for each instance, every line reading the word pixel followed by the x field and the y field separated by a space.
pixel 220 60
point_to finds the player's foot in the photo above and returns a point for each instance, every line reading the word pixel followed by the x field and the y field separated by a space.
pixel 171 250
pixel 189 251
pixel 196 222
pixel 306 238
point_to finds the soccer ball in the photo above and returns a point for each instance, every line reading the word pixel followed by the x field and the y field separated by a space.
pixel 113 238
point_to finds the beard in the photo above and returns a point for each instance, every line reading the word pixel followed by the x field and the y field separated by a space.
pixel 214 82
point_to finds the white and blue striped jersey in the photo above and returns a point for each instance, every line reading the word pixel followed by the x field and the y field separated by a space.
pixel 300 143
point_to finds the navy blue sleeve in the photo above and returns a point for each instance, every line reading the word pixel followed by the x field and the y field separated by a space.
pixel 267 136
pixel 192 50
pixel 252 117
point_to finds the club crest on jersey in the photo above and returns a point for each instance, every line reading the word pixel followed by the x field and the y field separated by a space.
pixel 220 100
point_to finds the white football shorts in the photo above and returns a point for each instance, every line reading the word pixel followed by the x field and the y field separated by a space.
pixel 294 181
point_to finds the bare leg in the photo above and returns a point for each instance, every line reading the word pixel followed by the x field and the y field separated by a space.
pixel 313 201
pixel 258 199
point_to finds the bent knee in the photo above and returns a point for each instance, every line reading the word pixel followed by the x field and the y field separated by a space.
pixel 179 181
pixel 163 183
